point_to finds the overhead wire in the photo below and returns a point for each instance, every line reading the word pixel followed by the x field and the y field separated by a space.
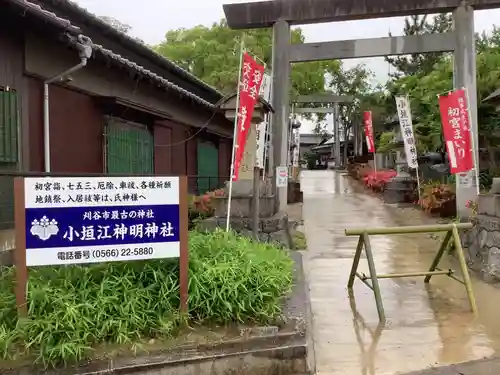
pixel 205 125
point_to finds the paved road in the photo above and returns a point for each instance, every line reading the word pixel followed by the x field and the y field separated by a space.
pixel 425 326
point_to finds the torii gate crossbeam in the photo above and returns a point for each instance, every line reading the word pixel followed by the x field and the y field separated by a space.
pixel 299 12
pixel 327 98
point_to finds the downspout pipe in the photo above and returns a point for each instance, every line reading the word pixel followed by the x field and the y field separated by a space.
pixel 84 46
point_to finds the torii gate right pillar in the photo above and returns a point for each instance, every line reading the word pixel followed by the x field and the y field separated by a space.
pixel 464 76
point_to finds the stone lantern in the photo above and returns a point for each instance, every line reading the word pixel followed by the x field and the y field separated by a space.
pixel 262 108
pixel 246 173
pixel 251 214
pixel 401 188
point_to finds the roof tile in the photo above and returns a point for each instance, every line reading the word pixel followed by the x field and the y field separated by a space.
pixel 162 82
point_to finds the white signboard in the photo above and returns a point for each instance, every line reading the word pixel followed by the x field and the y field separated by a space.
pixel 265 88
pixel 405 122
pixel 261 139
pixel 466 180
pixel 73 220
pixel 281 177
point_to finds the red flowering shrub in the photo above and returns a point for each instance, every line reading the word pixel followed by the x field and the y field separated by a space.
pixel 377 181
pixel 201 206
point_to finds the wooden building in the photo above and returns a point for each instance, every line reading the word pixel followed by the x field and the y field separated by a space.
pixel 124 110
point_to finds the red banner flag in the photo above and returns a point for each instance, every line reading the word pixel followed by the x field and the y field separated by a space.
pixel 456 130
pixel 370 141
pixel 252 74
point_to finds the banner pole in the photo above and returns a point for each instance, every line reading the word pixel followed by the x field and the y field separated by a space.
pixel 265 165
pixel 473 141
pixel 418 186
pixel 289 158
pixel 235 137
pixel 264 152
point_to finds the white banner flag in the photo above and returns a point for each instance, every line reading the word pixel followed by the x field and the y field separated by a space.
pixel 261 144
pixel 405 122
pixel 265 92
pixel 265 88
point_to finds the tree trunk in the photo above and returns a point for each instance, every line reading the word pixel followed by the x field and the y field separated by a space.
pixel 491 154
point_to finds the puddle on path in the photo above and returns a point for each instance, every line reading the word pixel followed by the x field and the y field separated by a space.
pixel 427 325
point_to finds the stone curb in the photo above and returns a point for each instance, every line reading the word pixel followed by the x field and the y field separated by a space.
pixel 487 366
pixel 290 346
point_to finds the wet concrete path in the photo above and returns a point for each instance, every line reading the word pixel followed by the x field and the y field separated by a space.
pixel 426 326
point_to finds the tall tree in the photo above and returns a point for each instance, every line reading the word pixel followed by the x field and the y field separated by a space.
pixel 212 54
pixel 120 26
pixel 420 62
pixel 353 82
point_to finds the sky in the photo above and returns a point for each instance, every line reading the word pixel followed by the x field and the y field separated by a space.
pixel 151 19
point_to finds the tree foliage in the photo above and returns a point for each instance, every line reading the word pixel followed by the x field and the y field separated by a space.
pixel 420 62
pixel 212 54
pixel 424 77
pixel 120 26
pixel 354 82
pixel 351 82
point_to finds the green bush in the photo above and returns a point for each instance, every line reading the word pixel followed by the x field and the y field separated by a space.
pixel 73 309
pixel 311 159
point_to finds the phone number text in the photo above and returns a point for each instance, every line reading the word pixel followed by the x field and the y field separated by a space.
pixel 127 252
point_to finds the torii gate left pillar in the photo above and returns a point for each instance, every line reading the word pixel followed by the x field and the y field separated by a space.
pixel 280 100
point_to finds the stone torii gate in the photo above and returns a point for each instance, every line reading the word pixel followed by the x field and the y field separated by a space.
pixel 333 99
pixel 280 14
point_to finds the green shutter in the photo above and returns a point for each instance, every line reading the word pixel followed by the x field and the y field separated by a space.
pixel 9 120
pixel 8 126
pixel 129 148
pixel 208 166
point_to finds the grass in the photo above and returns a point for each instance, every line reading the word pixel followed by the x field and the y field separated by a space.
pixel 73 310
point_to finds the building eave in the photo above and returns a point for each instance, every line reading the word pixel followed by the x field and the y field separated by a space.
pixel 131 43
pixel 72 31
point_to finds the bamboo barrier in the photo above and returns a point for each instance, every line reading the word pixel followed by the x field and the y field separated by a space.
pixel 372 279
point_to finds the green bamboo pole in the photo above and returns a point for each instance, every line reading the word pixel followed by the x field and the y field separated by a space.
pixel 465 270
pixel 412 274
pixel 439 255
pixel 364 279
pixel 407 229
pixel 355 262
pixel 373 276
pixel 364 240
